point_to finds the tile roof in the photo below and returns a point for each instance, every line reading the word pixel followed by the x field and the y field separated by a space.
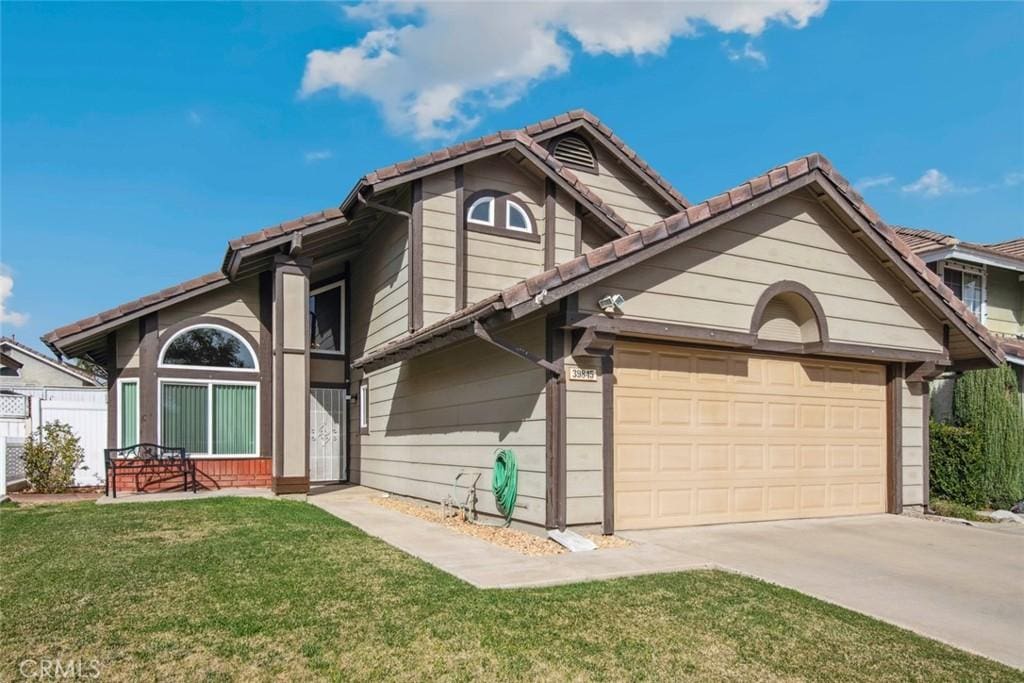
pixel 135 305
pixel 923 241
pixel 66 367
pixel 1013 248
pixel 564 273
pixel 397 170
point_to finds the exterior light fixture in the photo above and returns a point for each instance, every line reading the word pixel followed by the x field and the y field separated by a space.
pixel 611 303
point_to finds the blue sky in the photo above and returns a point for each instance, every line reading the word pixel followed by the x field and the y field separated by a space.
pixel 138 138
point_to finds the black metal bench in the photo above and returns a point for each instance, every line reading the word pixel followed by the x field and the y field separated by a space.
pixel 145 458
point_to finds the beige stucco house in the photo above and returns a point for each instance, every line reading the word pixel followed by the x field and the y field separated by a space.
pixel 651 361
pixel 989 279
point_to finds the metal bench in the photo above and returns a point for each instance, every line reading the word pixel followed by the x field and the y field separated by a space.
pixel 148 457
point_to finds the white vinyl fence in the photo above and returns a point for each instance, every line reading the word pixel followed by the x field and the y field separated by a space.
pixel 85 410
pixel 12 464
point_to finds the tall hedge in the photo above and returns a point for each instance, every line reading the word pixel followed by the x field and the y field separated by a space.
pixel 988 403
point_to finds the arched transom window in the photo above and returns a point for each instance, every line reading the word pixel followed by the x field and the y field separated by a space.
pixel 499 212
pixel 208 346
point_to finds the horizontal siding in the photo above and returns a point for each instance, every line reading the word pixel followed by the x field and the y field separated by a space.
pixel 380 288
pixel 436 415
pixel 565 228
pixel 620 189
pixel 584 444
pixel 128 345
pixel 494 262
pixel 1005 305
pixel 913 444
pixel 238 302
pixel 439 212
pixel 716 279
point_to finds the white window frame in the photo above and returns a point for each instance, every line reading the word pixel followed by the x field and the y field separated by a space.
pixel 970 269
pixel 218 368
pixel 364 407
pixel 209 384
pixel 490 211
pixel 509 203
pixel 120 409
pixel 340 284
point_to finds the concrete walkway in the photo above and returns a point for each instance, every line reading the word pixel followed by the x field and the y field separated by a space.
pixel 485 565
pixel 957 584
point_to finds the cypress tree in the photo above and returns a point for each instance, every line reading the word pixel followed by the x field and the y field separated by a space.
pixel 987 401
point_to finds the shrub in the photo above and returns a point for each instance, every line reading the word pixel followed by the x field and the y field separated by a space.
pixel 51 456
pixel 988 402
pixel 948 508
pixel 956 466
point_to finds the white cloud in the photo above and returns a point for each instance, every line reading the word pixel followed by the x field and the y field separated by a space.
pixel 194 117
pixel 748 52
pixel 435 68
pixel 874 181
pixel 935 183
pixel 1013 179
pixel 318 155
pixel 7 316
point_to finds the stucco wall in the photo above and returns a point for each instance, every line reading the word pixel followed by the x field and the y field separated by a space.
pixel 36 373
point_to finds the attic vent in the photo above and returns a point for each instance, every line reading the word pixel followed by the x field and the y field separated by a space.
pixel 574 151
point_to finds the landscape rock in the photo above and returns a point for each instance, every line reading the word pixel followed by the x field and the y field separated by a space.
pixel 1006 516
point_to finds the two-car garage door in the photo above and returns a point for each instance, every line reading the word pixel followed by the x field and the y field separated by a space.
pixel 706 436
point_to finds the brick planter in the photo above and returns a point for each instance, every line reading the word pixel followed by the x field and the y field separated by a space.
pixel 216 473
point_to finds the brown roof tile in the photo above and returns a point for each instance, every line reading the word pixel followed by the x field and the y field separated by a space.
pixel 133 306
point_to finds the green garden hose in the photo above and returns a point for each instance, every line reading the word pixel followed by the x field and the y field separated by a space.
pixel 504 482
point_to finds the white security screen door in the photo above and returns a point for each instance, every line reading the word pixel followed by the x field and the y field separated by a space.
pixel 327 434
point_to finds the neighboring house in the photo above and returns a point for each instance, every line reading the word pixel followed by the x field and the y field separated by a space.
pixel 35 389
pixel 22 366
pixel 764 354
pixel 989 279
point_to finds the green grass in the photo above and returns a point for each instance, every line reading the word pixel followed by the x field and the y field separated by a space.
pixel 948 508
pixel 257 589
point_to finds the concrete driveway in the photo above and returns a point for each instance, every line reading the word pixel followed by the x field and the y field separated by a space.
pixel 961 585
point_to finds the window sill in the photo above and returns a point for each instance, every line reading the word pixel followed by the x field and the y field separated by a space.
pixel 503 232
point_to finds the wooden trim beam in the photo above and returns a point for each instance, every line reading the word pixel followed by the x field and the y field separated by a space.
pixel 460 238
pixel 416 258
pixel 481 332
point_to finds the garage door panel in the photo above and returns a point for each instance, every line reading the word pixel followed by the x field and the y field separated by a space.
pixel 708 436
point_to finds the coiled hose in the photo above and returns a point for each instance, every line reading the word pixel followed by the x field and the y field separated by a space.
pixel 504 482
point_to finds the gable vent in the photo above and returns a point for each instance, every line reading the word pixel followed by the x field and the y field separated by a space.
pixel 574 151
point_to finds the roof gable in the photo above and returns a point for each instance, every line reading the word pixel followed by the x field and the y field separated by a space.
pixel 811 171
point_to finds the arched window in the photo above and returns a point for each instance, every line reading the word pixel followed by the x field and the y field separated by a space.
pixel 499 213
pixel 208 346
pixel 481 211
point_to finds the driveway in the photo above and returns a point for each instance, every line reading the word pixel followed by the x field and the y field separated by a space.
pixel 961 585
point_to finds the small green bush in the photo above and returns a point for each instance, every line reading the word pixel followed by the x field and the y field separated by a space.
pixel 51 456
pixel 957 467
pixel 948 508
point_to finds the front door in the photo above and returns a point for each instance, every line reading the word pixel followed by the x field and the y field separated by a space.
pixel 327 434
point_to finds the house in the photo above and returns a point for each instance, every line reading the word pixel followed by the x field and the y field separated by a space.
pixel 22 366
pixel 989 279
pixel 35 389
pixel 651 361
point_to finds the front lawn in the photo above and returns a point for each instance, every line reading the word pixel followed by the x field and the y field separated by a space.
pixel 251 588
